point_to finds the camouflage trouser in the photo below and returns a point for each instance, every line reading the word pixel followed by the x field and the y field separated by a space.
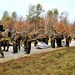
pixel 53 43
pixel 1 51
pixel 27 47
pixel 67 43
pixel 15 48
pixel 18 44
pixel 6 44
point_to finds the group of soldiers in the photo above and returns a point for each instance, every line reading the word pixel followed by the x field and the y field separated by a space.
pixel 57 38
pixel 16 39
pixel 25 39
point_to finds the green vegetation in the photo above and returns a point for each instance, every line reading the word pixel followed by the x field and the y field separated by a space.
pixel 59 62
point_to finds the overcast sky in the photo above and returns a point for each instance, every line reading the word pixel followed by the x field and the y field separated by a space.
pixel 21 6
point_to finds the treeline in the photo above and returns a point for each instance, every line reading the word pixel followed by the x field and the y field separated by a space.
pixel 38 21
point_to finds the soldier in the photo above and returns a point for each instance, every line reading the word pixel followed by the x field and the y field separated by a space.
pixel 35 41
pixel 5 40
pixel 67 40
pixel 15 49
pixel 25 41
pixel 1 51
pixel 16 43
pixel 28 46
pixel 56 36
pixel 47 38
pixel 52 41
pixel 13 40
pixel 19 37
pixel 13 35
pixel 59 39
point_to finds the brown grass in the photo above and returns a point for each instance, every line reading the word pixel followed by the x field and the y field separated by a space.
pixel 59 62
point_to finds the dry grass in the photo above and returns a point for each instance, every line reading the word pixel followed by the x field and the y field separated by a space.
pixel 59 62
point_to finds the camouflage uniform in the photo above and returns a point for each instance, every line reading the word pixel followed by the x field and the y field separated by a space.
pixel 5 41
pixel 15 48
pixel 52 41
pixel 1 51
pixel 25 42
pixel 28 47
pixel 67 40
pixel 35 41
pixel 59 39
pixel 16 43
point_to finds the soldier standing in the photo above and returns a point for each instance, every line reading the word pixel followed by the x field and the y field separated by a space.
pixel 18 39
pixel 1 51
pixel 14 40
pixel 16 43
pixel 35 41
pixel 5 41
pixel 52 41
pixel 15 48
pixel 25 41
pixel 47 38
pixel 67 40
pixel 28 46
pixel 60 39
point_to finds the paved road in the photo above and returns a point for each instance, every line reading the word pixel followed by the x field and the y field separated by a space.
pixel 9 55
